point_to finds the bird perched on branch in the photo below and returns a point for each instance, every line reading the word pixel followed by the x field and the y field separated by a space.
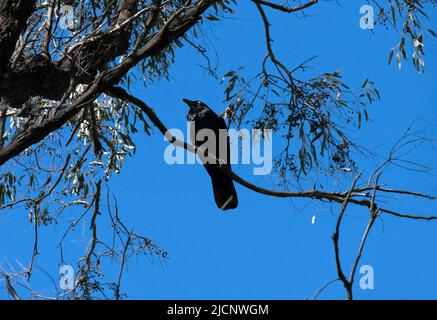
pixel 203 117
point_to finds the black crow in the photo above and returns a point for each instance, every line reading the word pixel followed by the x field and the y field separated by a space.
pixel 204 118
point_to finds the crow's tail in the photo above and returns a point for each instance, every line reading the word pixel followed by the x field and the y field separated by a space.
pixel 225 194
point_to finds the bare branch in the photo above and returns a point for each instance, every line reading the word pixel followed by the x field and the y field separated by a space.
pixel 285 8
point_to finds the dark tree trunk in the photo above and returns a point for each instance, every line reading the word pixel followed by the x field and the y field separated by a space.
pixel 35 75
pixel 13 17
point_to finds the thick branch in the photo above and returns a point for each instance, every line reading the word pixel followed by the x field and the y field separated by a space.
pixel 285 8
pixel 338 197
pixel 176 27
pixel 336 239
pixel 13 19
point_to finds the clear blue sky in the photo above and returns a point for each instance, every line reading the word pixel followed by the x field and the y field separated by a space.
pixel 268 248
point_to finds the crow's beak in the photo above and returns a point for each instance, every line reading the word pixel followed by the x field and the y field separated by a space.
pixel 190 103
